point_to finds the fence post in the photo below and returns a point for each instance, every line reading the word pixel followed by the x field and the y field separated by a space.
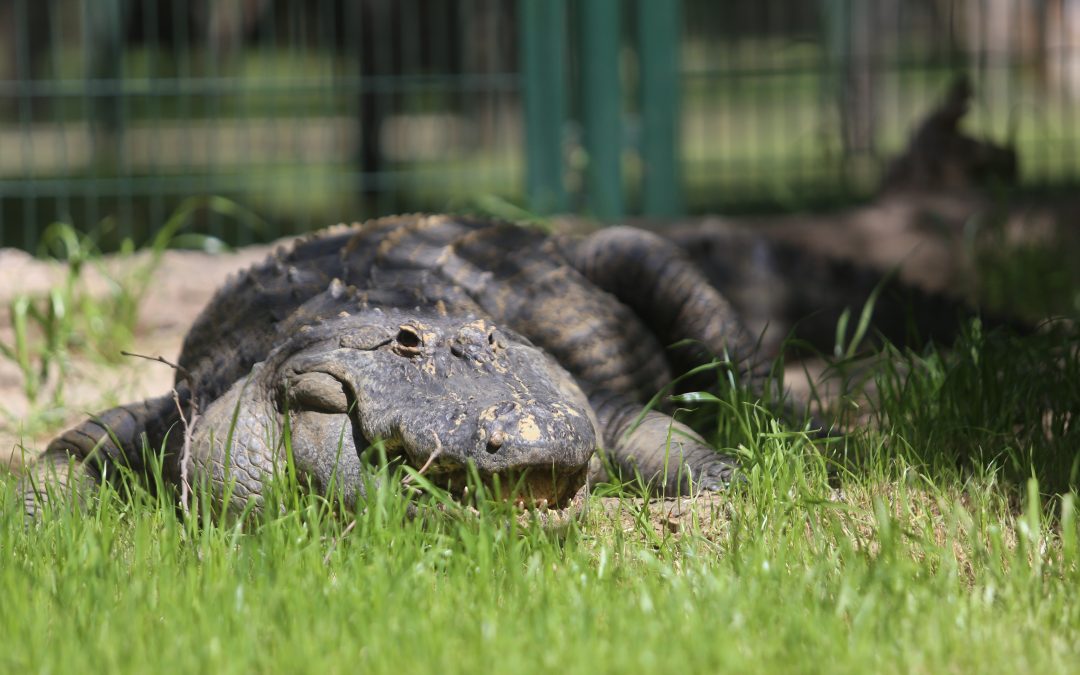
pixel 659 32
pixel 543 58
pixel 601 103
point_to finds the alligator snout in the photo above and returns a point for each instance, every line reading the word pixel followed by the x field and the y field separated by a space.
pixel 505 426
pixel 539 450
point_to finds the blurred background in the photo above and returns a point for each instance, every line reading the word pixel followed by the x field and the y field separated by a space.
pixel 114 113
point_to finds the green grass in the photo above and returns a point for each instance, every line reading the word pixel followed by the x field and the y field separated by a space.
pixel 45 330
pixel 792 582
pixel 939 535
pixel 901 550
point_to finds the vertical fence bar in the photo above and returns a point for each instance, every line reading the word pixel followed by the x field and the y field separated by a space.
pixel 659 31
pixel 601 103
pixel 835 25
pixel 543 58
pixel 24 74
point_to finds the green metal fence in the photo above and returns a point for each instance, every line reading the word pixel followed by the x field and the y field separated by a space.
pixel 305 112
pixel 113 112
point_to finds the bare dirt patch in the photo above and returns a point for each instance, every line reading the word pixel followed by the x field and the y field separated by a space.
pixel 182 284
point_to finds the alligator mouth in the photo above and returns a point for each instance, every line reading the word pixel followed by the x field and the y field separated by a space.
pixel 538 487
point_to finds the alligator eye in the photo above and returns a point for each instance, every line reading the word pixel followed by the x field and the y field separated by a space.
pixel 408 338
pixel 407 342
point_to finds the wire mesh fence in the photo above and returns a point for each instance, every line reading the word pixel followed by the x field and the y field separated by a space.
pixel 802 102
pixel 305 112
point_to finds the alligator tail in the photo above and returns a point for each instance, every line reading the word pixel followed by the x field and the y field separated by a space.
pixel 782 290
pixel 115 444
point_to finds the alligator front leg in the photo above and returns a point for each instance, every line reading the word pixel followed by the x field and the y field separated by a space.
pixel 115 442
pixel 668 456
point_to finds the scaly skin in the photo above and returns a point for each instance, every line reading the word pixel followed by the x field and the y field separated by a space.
pixel 455 341
pixel 781 290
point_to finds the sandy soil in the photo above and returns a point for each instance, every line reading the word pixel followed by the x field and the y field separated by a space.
pixel 183 283
pixel 922 234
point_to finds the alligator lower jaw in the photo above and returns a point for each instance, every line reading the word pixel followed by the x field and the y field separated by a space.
pixel 527 488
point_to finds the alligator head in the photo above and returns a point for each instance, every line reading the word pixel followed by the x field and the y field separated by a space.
pixel 446 393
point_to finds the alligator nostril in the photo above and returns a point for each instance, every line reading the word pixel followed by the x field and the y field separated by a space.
pixel 496 441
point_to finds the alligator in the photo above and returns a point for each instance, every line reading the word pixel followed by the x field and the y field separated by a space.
pixel 792 298
pixel 460 347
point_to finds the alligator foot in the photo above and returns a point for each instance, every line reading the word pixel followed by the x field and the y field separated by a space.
pixel 668 457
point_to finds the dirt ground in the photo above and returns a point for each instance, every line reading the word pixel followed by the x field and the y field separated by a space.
pixel 922 234
pixel 184 282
